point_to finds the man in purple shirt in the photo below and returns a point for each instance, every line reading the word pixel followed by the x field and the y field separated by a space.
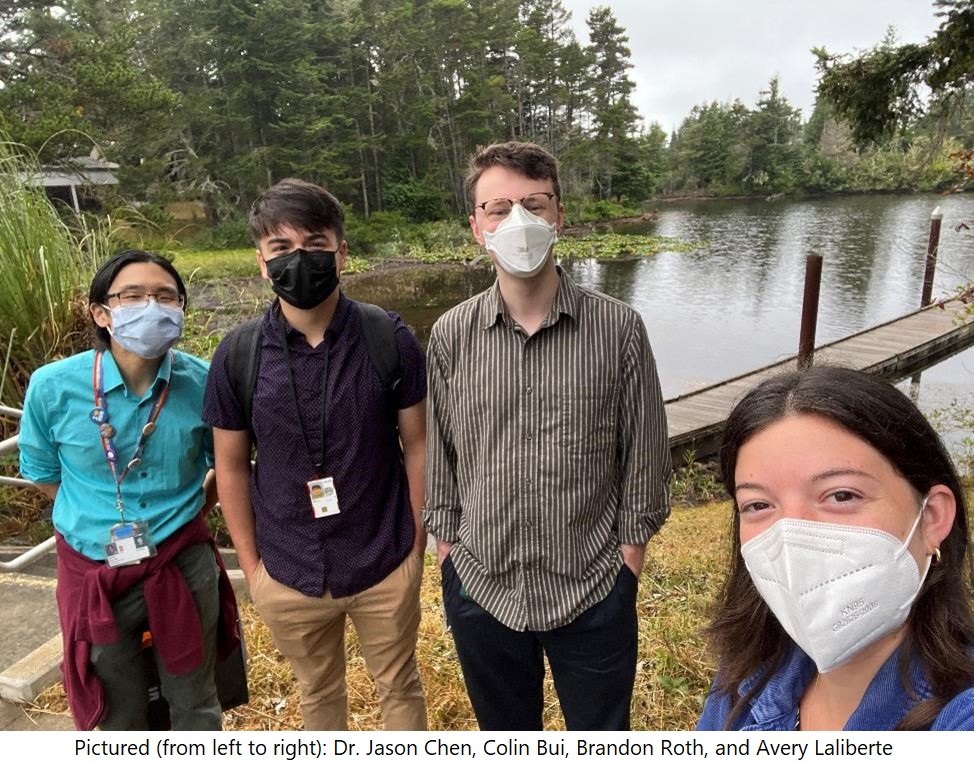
pixel 328 522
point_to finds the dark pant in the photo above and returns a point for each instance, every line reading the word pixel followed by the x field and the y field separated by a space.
pixel 192 697
pixel 592 658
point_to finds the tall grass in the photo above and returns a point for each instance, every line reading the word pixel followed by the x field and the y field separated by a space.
pixel 45 267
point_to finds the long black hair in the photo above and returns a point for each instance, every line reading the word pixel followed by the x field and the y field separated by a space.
pixel 103 279
pixel 746 634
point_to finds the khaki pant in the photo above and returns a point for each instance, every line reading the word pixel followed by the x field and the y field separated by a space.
pixel 310 633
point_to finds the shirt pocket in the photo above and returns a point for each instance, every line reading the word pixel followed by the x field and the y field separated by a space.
pixel 588 418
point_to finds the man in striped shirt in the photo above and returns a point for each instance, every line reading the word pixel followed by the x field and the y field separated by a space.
pixel 547 464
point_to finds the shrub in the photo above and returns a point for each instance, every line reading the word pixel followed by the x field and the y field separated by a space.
pixel 369 236
pixel 229 234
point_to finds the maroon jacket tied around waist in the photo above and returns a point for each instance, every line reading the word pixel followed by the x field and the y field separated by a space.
pixel 86 590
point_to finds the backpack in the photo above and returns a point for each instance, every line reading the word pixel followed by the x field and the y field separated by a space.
pixel 245 345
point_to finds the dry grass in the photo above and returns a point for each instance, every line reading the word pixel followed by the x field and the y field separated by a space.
pixel 686 563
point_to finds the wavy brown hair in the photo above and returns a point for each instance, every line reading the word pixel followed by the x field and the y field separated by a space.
pixel 528 159
pixel 748 637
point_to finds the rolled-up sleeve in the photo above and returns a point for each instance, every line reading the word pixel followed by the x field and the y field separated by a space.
pixel 644 453
pixel 441 515
pixel 39 459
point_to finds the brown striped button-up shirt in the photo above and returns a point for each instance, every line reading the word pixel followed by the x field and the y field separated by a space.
pixel 545 452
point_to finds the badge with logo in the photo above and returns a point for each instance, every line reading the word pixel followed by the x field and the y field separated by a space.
pixel 324 499
pixel 129 543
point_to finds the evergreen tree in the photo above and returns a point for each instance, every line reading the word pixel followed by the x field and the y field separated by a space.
pixel 74 75
pixel 614 118
pixel 880 90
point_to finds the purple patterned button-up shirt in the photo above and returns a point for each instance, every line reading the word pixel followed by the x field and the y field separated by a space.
pixel 355 549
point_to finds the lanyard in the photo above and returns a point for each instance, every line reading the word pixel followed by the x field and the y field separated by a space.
pixel 99 415
pixel 320 460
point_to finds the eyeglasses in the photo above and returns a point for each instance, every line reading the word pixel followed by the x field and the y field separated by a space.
pixel 140 298
pixel 539 203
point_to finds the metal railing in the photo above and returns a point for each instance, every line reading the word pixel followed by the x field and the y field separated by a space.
pixel 33 554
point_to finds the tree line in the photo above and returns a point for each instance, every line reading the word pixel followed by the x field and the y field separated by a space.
pixel 383 101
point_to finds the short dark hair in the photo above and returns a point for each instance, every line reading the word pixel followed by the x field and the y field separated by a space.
pixel 297 203
pixel 745 633
pixel 528 159
pixel 106 274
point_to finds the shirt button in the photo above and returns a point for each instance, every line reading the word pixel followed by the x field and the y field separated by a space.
pixel 529 436
pixel 144 474
pixel 530 389
pixel 142 504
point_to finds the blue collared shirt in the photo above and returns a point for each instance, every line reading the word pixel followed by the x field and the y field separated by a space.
pixel 883 705
pixel 60 444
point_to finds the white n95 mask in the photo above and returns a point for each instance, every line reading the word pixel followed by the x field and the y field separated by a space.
pixel 522 242
pixel 834 588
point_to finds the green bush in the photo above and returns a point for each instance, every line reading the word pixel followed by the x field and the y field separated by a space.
pixel 581 211
pixel 442 234
pixel 229 234
pixel 369 236
pixel 417 200
pixel 148 215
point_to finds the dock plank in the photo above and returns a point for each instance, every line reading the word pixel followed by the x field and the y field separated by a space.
pixel 893 350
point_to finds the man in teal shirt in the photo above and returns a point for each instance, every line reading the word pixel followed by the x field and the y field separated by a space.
pixel 114 436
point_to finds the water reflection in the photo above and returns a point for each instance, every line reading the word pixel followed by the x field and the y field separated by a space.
pixel 421 294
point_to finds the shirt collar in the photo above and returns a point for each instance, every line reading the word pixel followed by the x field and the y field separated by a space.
pixel 885 699
pixel 335 327
pixel 780 696
pixel 111 377
pixel 566 302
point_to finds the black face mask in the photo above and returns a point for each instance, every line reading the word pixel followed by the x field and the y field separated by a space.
pixel 303 278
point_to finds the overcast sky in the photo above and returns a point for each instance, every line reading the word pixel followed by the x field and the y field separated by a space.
pixel 687 52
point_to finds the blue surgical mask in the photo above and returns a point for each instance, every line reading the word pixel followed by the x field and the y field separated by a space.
pixel 148 330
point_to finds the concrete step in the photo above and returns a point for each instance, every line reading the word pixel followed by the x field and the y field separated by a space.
pixel 30 637
pixel 29 620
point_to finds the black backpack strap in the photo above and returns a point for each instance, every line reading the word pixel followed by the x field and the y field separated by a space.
pixel 380 337
pixel 243 358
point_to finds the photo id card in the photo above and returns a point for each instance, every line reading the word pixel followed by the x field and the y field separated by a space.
pixel 324 499
pixel 129 543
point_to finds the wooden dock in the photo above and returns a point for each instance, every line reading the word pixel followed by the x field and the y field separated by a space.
pixel 894 350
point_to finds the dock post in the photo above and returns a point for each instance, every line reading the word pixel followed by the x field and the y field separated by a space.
pixel 933 245
pixel 813 280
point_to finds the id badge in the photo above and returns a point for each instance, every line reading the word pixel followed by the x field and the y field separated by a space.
pixel 324 499
pixel 129 543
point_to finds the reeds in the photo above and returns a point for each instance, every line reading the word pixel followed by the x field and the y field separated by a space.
pixel 45 267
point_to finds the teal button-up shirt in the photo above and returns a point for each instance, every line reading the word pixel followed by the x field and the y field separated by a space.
pixel 60 444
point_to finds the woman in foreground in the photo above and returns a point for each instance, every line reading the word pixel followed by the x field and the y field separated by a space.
pixel 848 604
